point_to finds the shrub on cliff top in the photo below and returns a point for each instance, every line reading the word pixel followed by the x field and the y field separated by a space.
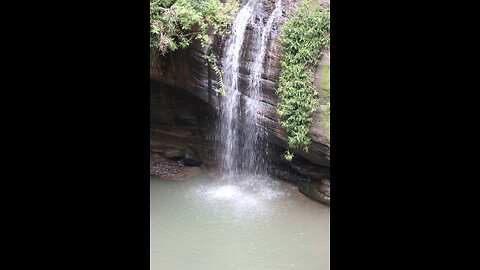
pixel 176 23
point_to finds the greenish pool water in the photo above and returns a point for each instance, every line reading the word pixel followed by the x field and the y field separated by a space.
pixel 244 222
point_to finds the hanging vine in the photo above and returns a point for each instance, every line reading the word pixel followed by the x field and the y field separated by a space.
pixel 303 37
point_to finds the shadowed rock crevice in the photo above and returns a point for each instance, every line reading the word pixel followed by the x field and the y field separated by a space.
pixel 181 126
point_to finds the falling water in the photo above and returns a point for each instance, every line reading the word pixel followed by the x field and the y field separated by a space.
pixel 242 141
pixel 257 67
pixel 231 63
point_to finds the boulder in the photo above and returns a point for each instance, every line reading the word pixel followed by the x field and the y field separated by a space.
pixel 191 158
pixel 290 177
pixel 325 182
pixel 325 190
pixel 308 190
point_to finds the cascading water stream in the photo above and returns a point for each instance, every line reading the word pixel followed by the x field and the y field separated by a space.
pixel 257 67
pixel 241 140
pixel 258 140
pixel 231 62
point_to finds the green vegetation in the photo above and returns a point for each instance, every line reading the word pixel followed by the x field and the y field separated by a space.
pixel 303 37
pixel 175 24
pixel 213 61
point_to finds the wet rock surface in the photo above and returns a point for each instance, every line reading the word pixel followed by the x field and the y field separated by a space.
pixel 180 121
pixel 315 189
pixel 312 191
pixel 287 176
pixel 175 154
pixel 191 158
pixel 325 190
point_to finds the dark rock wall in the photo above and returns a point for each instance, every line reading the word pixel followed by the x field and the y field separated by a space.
pixel 180 121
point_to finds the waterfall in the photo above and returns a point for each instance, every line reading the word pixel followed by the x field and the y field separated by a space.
pixel 242 141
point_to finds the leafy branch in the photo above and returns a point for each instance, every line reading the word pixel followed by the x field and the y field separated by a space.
pixel 213 61
pixel 175 24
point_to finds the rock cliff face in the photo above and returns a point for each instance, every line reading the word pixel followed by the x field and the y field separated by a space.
pixel 189 74
pixel 180 121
